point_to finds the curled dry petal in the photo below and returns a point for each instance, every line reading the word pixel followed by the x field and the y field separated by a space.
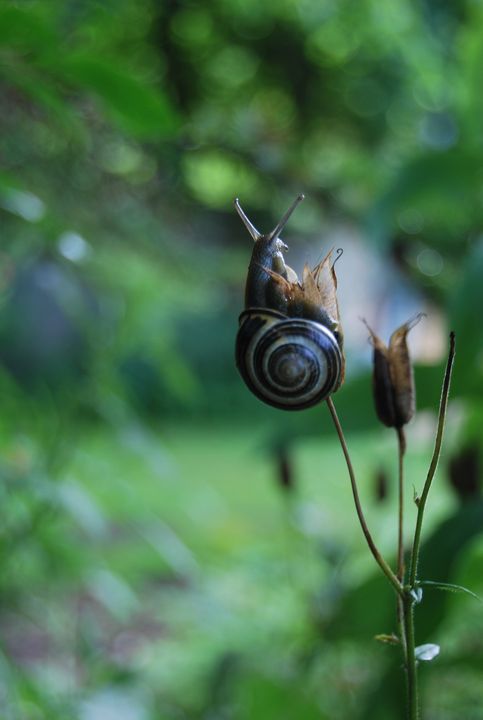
pixel 313 298
pixel 326 279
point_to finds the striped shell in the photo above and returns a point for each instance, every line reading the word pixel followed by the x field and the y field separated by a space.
pixel 290 363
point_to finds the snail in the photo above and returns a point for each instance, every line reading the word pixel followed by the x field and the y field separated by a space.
pixel 289 343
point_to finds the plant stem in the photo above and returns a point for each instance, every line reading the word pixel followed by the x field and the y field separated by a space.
pixel 421 503
pixel 360 514
pixel 411 669
pixel 400 542
pixel 409 600
pixel 400 535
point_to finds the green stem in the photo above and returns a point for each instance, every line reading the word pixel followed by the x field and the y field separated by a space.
pixel 434 462
pixel 360 514
pixel 408 601
pixel 400 540
pixel 411 668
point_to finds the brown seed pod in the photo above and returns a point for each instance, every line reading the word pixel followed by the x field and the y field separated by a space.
pixel 393 379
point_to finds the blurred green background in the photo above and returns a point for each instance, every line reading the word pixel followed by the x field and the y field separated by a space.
pixel 170 548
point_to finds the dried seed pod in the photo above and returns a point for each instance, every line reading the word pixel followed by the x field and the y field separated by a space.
pixel 393 379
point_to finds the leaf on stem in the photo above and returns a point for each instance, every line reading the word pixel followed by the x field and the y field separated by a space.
pixel 391 639
pixel 427 652
pixel 451 587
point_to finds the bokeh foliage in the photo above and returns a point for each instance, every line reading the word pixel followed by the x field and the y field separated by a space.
pixel 140 570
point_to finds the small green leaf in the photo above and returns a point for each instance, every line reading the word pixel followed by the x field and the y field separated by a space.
pixel 450 587
pixel 391 639
pixel 416 497
pixel 427 652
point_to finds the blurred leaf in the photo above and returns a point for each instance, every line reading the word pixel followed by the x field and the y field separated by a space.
pixel 266 698
pixel 427 652
pixel 443 186
pixel 23 29
pixel 440 556
pixel 42 92
pixel 465 320
pixel 138 107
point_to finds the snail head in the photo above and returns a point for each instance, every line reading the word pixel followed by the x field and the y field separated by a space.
pixel 272 238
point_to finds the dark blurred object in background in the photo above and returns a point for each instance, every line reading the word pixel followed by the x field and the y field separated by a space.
pixel 464 470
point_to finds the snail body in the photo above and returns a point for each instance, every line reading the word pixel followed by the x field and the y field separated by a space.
pixel 289 344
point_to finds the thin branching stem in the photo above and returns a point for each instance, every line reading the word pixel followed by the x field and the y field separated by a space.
pixel 409 598
pixel 360 514
pixel 434 462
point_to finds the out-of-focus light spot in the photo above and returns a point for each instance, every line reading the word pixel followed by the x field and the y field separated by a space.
pixel 274 107
pixel 73 246
pixel 438 131
pixel 328 159
pixel 111 703
pixel 251 19
pixel 430 262
pixel 309 518
pixel 402 116
pixel 24 204
pixel 113 592
pixel 366 98
pixel 192 27
pixel 216 178
pixel 233 66
pixel 434 97
pixel 411 221
pixel 392 19
pixel 331 44
pixel 120 158
pixel 312 13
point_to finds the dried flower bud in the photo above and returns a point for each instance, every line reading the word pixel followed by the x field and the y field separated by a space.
pixel 314 297
pixel 393 380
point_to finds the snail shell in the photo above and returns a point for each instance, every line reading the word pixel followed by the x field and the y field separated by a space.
pixel 290 363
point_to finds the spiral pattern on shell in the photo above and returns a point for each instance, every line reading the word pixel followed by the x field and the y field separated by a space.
pixel 290 363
